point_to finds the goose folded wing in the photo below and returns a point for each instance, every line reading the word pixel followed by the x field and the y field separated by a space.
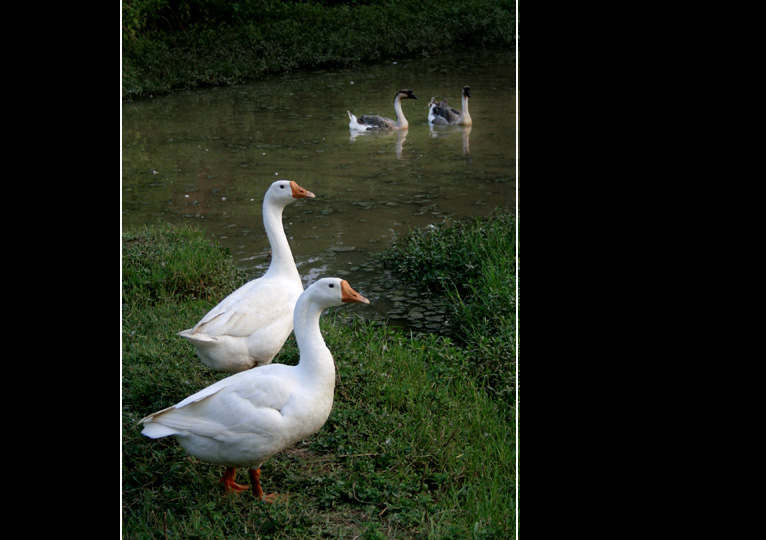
pixel 227 406
pixel 445 111
pixel 242 315
pixel 380 122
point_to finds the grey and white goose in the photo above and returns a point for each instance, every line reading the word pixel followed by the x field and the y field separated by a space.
pixel 369 123
pixel 439 112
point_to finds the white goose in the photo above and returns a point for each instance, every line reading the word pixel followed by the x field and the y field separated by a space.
pixel 249 327
pixel 441 113
pixel 244 419
pixel 368 123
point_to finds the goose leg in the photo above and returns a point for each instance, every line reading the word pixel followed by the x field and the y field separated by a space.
pixel 228 481
pixel 255 481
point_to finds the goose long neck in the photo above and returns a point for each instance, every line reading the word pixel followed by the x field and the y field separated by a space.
pixel 315 356
pixel 282 261
pixel 466 115
pixel 401 121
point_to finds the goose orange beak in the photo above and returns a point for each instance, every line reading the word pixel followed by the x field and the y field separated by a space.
pixel 299 192
pixel 350 295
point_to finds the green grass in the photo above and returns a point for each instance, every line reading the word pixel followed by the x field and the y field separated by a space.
pixel 169 263
pixel 415 447
pixel 167 47
pixel 472 263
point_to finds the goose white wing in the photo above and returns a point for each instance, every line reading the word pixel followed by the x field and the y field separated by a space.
pixel 236 404
pixel 254 305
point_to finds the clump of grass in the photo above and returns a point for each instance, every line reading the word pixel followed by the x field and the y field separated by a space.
pixel 168 262
pixel 452 255
pixel 473 264
pixel 414 446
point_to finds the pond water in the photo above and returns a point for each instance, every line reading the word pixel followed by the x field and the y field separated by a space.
pixel 206 157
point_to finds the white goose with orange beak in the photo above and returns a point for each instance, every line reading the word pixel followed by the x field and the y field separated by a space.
pixel 249 327
pixel 244 419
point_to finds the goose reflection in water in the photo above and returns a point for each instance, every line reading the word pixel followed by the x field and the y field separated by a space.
pixel 401 136
pixel 445 131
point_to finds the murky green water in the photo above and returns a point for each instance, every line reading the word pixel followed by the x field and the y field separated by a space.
pixel 206 157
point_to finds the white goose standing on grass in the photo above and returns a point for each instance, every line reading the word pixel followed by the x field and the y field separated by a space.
pixel 369 123
pixel 249 327
pixel 244 419
pixel 439 112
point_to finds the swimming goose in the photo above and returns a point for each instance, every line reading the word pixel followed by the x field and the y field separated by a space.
pixel 244 419
pixel 249 327
pixel 434 105
pixel 441 113
pixel 365 122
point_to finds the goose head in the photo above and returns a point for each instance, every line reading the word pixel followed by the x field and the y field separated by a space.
pixel 467 91
pixel 404 94
pixel 330 292
pixel 286 191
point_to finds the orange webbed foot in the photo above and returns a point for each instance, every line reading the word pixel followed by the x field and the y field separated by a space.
pixel 275 497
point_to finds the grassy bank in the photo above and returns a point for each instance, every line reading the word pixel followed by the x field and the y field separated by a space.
pixel 418 445
pixel 473 263
pixel 170 45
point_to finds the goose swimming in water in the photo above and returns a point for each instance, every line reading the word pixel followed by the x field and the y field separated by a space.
pixel 441 113
pixel 367 123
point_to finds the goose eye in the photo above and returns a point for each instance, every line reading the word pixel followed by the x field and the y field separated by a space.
pixel 332 285
pixel 281 186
